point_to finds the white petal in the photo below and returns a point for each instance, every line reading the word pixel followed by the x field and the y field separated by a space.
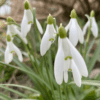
pixel 6 56
pixel 79 61
pixel 10 57
pixel 18 52
pixel 39 26
pixel 73 32
pixel 66 47
pixel 66 77
pixel 80 33
pixel 68 26
pixel 45 43
pixel 66 67
pixel 25 27
pixel 51 31
pixel 94 28
pixel 2 11
pixel 66 64
pixel 85 27
pixel 76 74
pixel 59 65
pixel 29 15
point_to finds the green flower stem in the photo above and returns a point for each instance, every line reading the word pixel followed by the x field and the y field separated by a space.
pixel 60 94
pixel 28 51
pixel 49 79
pixel 87 40
pixel 81 49
pixel 14 24
pixel 64 86
pixel 34 20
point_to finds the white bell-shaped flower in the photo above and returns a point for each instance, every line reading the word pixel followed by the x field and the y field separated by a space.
pixel 68 58
pixel 94 27
pixel 13 30
pixel 11 48
pixel 48 37
pixel 5 7
pixel 75 32
pixel 28 20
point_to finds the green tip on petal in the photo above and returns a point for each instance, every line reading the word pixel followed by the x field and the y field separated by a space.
pixel 8 38
pixel 26 4
pixel 50 19
pixel 92 13
pixel 62 31
pixel 73 14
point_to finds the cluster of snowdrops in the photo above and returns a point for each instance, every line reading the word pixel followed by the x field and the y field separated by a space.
pixel 68 57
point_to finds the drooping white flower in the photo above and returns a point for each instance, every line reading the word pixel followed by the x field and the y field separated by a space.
pixel 28 20
pixel 5 7
pixel 75 32
pixel 48 37
pixel 94 27
pixel 13 30
pixel 68 58
pixel 11 48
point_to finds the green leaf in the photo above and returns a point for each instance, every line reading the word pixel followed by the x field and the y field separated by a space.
pixel 20 86
pixel 90 96
pixel 88 82
pixel 28 72
pixel 4 97
pixel 94 58
pixel 14 91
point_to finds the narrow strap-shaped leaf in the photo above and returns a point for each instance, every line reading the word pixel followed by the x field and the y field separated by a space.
pixel 89 82
pixel 20 86
pixel 94 58
pixel 14 91
pixel 29 72
pixel 4 97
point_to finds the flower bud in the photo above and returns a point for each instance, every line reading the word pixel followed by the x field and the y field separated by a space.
pixel 73 14
pixel 62 31
pixel 92 13
pixel 10 19
pixel 26 4
pixel 8 38
pixel 50 19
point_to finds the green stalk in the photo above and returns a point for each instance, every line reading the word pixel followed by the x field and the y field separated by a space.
pixel 81 49
pixel 50 80
pixel 60 93
pixel 28 51
pixel 34 20
pixel 64 85
pixel 87 40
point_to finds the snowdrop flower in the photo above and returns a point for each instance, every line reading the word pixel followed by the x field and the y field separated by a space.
pixel 11 48
pixel 68 59
pixel 13 30
pixel 48 37
pixel 5 7
pixel 94 27
pixel 28 20
pixel 75 32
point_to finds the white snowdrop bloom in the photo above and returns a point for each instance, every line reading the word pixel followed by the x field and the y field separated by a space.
pixel 48 37
pixel 75 32
pixel 13 30
pixel 68 59
pixel 28 20
pixel 11 48
pixel 94 27
pixel 5 7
